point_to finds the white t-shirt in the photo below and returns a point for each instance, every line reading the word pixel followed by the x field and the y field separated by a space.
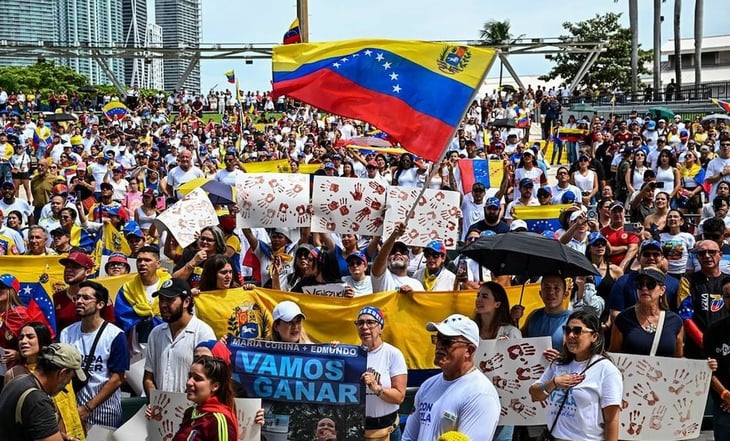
pixel 469 405
pixel 676 250
pixel 714 167
pixel 471 213
pixel 178 176
pixel 582 414
pixel 361 287
pixel 385 362
pixel 390 282
pixel 444 281
pixel 228 178
pixel 168 360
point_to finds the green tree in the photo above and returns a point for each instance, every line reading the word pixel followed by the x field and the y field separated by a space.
pixel 44 77
pixel 612 68
pixel 498 33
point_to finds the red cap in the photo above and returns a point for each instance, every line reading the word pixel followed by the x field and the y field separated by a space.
pixel 78 258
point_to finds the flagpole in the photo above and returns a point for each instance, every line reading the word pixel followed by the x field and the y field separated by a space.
pixel 450 138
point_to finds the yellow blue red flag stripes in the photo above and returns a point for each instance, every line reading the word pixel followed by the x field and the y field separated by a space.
pixel 414 91
pixel 115 110
pixel 487 172
pixel 541 218
pixel 231 76
pixel 248 315
pixel 293 34
pixel 724 105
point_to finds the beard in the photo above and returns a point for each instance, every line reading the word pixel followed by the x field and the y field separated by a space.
pixel 397 265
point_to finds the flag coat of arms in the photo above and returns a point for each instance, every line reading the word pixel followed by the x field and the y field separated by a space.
pixel 541 218
pixel 401 87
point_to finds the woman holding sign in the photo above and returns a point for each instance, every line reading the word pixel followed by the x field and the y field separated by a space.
pixel 385 377
pixel 213 416
pixel 493 319
pixel 582 386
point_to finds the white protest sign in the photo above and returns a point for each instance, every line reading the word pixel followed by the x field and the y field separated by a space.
pixel 436 216
pixel 327 289
pixel 273 200
pixel 513 365
pixel 168 408
pixel 664 398
pixel 348 205
pixel 100 433
pixel 187 217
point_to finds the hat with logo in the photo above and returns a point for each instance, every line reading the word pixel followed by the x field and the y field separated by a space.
pixel 652 273
pixel 456 325
pixel 595 237
pixel 117 258
pixel 132 228
pixel 651 243
pixel 436 246
pixel 373 311
pixel 518 225
pixel 173 288
pixel 568 197
pixel 287 311
pixel 492 202
pixel 399 247
pixel 357 255
pixel 10 281
pixel 614 205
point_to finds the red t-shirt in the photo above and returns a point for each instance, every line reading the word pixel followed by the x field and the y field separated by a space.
pixel 619 238
pixel 197 426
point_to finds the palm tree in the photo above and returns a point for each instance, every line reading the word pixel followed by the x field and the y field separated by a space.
pixel 699 12
pixel 497 33
pixel 657 48
pixel 677 50
pixel 634 26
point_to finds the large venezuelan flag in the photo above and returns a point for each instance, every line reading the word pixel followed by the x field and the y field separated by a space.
pixel 115 110
pixel 413 90
pixel 248 313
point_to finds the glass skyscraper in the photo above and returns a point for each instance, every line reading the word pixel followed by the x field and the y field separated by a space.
pixel 181 25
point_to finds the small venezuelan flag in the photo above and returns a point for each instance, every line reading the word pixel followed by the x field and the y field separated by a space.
pixel 231 76
pixel 293 35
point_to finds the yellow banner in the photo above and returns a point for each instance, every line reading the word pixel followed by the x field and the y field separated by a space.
pixel 278 166
pixel 331 318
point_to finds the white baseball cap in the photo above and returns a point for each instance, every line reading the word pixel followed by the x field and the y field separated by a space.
pixel 287 311
pixel 518 223
pixel 455 325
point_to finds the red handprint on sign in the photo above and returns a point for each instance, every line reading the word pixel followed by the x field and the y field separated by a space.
pixel 357 193
pixel 379 189
pixel 362 214
pixel 294 190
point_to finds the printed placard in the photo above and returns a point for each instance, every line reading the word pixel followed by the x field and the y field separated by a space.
pixel 436 216
pixel 312 389
pixel 664 398
pixel 348 205
pixel 273 200
pixel 514 365
pixel 186 217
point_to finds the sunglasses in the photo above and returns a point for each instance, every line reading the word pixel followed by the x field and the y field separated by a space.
pixel 431 255
pixel 577 330
pixel 704 253
pixel 447 342
pixel 366 323
pixel 647 283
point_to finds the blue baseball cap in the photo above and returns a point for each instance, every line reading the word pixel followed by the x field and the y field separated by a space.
pixel 492 202
pixel 132 228
pixel 595 237
pixel 525 182
pixel 357 255
pixel 568 197
pixel 436 246
pixel 651 243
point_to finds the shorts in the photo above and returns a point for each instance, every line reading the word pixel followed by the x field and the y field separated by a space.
pixel 21 176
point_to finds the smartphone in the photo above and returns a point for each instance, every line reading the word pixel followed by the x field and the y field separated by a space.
pixel 592 214
pixel 659 185
pixel 629 228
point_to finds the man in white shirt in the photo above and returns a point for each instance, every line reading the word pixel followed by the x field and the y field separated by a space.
pixel 390 267
pixel 460 398
pixel 434 276
pixel 171 345
pixel 184 172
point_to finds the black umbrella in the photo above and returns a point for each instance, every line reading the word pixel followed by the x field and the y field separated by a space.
pixel 508 88
pixel 60 117
pixel 503 122
pixel 527 254
pixel 87 89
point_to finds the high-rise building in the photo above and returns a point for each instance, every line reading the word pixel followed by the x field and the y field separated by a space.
pixel 181 25
pixel 154 67
pixel 91 23
pixel 134 21
pixel 27 22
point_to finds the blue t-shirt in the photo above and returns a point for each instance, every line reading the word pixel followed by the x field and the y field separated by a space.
pixel 542 324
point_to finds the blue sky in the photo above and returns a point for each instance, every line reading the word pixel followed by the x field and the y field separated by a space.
pixel 246 21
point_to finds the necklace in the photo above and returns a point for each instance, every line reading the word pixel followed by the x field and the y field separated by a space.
pixel 650 326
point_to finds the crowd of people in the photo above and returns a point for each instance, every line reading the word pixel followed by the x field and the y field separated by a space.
pixel 645 199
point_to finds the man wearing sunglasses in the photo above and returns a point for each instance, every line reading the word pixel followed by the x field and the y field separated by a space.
pixel 434 276
pixel 700 299
pixel 460 398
